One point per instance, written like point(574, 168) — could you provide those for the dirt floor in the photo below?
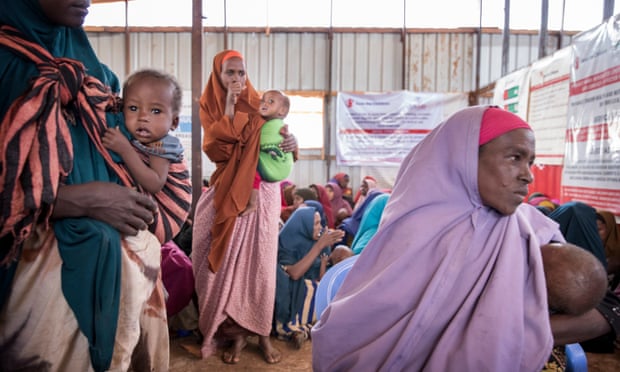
point(301, 360)
point(251, 360)
point(604, 362)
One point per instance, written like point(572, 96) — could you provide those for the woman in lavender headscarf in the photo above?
point(453, 279)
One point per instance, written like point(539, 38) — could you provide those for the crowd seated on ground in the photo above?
point(294, 236)
point(593, 247)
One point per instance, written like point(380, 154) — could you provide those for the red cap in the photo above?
point(496, 121)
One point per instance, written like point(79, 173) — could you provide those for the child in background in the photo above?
point(151, 105)
point(274, 165)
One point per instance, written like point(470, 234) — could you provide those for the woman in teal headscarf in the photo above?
point(370, 223)
point(79, 271)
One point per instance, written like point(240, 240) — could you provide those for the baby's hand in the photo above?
point(324, 259)
point(114, 140)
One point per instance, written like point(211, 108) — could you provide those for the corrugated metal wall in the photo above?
point(441, 61)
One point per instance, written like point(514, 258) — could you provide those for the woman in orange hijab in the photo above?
point(234, 241)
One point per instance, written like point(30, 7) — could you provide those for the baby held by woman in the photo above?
point(576, 280)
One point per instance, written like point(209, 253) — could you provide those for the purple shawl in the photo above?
point(446, 284)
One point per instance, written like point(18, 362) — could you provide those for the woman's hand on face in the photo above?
point(125, 209)
point(234, 91)
point(289, 141)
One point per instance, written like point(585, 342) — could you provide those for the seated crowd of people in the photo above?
point(323, 224)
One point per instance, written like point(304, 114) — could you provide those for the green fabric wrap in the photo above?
point(274, 165)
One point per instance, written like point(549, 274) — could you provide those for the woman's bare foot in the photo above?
point(270, 353)
point(232, 354)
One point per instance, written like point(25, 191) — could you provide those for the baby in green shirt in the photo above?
point(274, 165)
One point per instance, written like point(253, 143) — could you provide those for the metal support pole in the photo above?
point(542, 37)
point(608, 9)
point(127, 41)
point(196, 85)
point(506, 38)
point(328, 95)
point(475, 100)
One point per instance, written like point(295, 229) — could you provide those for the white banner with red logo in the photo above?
point(592, 158)
point(548, 105)
point(380, 129)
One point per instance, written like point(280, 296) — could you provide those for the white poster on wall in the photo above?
point(511, 92)
point(548, 105)
point(592, 159)
point(380, 129)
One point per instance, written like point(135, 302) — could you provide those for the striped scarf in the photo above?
point(36, 152)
